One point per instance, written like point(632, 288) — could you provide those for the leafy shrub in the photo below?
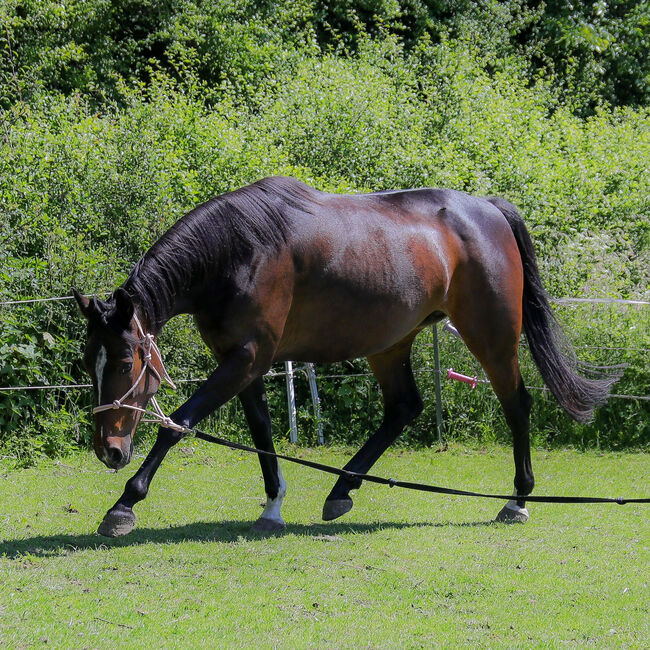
point(86, 190)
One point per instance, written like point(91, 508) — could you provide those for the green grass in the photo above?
point(403, 569)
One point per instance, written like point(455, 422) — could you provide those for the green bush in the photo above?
point(86, 186)
point(595, 52)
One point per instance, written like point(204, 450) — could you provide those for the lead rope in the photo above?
point(157, 415)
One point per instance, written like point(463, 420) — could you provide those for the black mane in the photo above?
point(214, 238)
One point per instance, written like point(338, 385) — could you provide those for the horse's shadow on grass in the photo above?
point(223, 531)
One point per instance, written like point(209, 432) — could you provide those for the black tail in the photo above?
point(552, 353)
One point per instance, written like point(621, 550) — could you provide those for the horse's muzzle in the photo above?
point(116, 455)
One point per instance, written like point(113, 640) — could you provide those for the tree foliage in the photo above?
point(595, 52)
point(119, 117)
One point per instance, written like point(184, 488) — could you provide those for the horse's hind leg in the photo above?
point(493, 339)
point(516, 403)
point(517, 414)
point(402, 404)
point(254, 402)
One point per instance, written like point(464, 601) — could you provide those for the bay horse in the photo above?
point(280, 271)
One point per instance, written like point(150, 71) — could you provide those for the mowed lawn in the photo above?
point(401, 570)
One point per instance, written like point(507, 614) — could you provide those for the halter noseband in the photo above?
point(148, 344)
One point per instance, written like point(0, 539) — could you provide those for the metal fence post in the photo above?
point(313, 389)
point(436, 374)
point(291, 402)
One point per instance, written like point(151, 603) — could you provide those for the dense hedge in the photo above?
point(595, 51)
point(94, 168)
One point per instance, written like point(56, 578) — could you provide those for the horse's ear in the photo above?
point(123, 306)
point(86, 307)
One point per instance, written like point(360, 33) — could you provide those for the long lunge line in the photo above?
point(409, 485)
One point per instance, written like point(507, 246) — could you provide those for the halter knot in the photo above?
point(170, 424)
point(148, 345)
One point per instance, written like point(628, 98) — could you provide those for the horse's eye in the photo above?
point(126, 368)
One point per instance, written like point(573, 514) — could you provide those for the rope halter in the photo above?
point(148, 343)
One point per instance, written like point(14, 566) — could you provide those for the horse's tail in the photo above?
point(552, 353)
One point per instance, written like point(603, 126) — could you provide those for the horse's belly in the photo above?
point(347, 327)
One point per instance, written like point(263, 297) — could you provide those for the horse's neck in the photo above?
point(155, 302)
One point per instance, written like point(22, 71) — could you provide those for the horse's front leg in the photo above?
point(256, 409)
point(234, 373)
point(120, 519)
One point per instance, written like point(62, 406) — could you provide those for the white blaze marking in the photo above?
point(99, 371)
point(272, 509)
point(99, 374)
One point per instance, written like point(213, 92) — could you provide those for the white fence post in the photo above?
point(313, 389)
point(437, 382)
point(291, 402)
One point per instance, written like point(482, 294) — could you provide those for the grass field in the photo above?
point(402, 570)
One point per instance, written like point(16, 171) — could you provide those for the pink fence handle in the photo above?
point(457, 376)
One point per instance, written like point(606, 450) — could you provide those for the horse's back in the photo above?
point(311, 210)
point(351, 275)
point(390, 234)
point(371, 268)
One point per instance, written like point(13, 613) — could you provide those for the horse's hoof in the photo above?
point(117, 523)
point(265, 525)
point(509, 515)
point(333, 509)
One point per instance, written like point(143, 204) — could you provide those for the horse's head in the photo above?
point(124, 373)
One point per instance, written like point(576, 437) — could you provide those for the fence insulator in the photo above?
point(464, 378)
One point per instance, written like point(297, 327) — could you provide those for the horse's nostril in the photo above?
point(115, 455)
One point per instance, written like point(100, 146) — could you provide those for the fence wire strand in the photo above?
point(616, 301)
point(605, 301)
point(282, 374)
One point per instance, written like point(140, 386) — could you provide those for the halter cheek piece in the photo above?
point(148, 344)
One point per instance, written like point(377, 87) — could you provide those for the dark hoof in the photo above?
point(335, 508)
point(510, 516)
point(264, 525)
point(117, 523)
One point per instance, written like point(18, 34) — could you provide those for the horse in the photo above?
point(279, 271)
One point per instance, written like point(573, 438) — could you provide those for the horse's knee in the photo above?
point(260, 427)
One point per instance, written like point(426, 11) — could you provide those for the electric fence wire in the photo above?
point(616, 301)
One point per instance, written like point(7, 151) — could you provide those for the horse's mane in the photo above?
point(215, 238)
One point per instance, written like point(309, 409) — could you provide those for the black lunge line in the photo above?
point(391, 482)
